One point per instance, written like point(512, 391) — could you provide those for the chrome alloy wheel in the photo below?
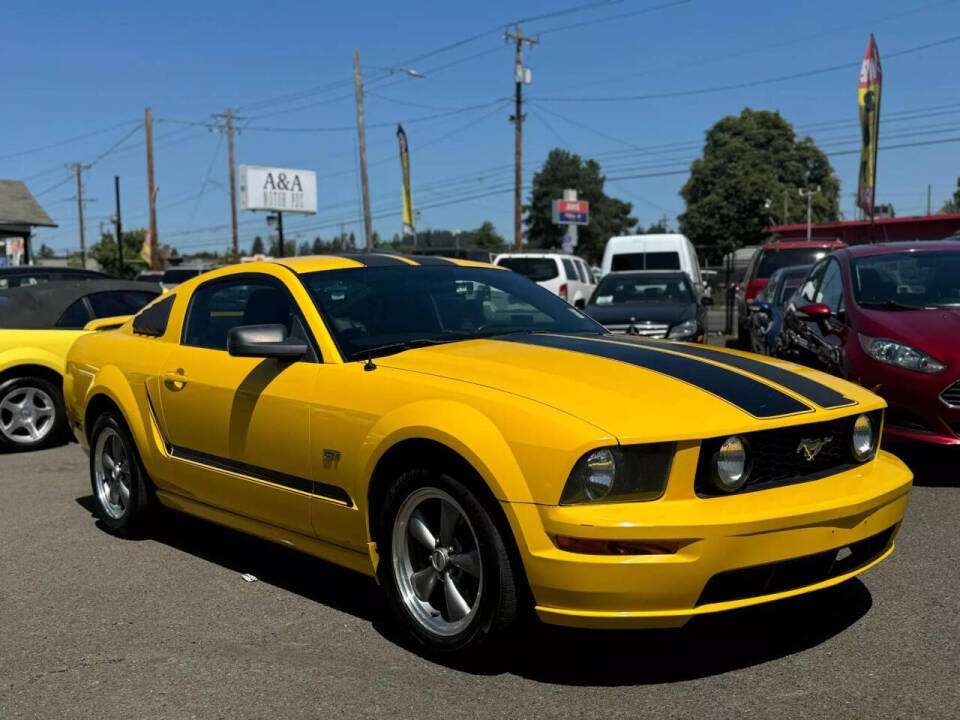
point(112, 478)
point(436, 562)
point(27, 415)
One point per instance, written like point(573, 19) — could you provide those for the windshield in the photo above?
point(646, 261)
point(383, 310)
point(772, 259)
point(908, 280)
point(180, 275)
point(537, 269)
point(614, 289)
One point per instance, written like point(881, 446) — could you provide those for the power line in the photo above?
point(60, 143)
point(610, 18)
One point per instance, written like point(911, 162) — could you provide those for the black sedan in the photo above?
point(650, 304)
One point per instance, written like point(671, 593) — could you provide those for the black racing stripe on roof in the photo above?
point(374, 259)
point(746, 393)
point(813, 391)
point(430, 260)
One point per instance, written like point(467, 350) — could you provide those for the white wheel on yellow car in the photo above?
point(121, 490)
point(31, 413)
point(445, 565)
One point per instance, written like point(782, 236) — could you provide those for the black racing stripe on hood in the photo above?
point(813, 391)
point(430, 260)
point(751, 396)
point(374, 259)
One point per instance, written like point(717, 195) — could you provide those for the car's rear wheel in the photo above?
point(121, 490)
point(445, 565)
point(32, 415)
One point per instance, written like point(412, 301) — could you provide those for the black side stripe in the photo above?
point(430, 260)
point(320, 489)
point(374, 259)
point(822, 395)
point(744, 392)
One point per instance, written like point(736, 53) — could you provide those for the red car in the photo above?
point(888, 317)
point(768, 259)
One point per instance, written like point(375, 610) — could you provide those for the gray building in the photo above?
point(20, 213)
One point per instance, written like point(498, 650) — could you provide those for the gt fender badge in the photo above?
point(331, 458)
point(811, 447)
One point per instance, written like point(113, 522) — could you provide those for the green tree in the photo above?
point(750, 163)
point(304, 248)
point(952, 205)
point(317, 246)
point(487, 237)
point(657, 228)
point(289, 247)
point(46, 251)
point(257, 247)
point(105, 253)
point(608, 216)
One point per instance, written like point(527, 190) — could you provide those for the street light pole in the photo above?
point(808, 194)
point(117, 223)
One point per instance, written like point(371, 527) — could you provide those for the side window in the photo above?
point(589, 273)
point(808, 292)
point(76, 315)
point(118, 302)
point(830, 292)
point(571, 269)
point(153, 320)
point(219, 306)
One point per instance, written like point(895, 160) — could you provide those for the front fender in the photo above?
point(460, 427)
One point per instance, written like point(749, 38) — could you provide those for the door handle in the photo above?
point(175, 380)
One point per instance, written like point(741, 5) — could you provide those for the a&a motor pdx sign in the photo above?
point(278, 189)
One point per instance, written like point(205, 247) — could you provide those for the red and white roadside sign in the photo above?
point(571, 212)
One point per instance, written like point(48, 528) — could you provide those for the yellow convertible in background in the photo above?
point(481, 447)
point(38, 324)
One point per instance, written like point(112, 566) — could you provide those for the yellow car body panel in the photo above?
point(47, 348)
point(288, 453)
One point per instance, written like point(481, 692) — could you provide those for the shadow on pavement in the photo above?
point(708, 645)
point(932, 465)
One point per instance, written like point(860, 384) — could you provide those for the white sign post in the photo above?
point(278, 189)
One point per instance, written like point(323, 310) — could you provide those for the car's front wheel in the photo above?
point(32, 415)
point(121, 490)
point(445, 565)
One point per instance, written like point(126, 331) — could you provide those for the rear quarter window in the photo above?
point(152, 321)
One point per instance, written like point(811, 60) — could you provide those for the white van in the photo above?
point(671, 251)
point(565, 275)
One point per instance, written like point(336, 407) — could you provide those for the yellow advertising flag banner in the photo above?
point(868, 98)
point(145, 249)
point(409, 226)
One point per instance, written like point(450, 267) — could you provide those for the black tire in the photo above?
point(53, 429)
point(498, 605)
point(135, 517)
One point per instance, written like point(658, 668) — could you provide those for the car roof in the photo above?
point(644, 273)
point(40, 306)
point(857, 251)
point(50, 269)
point(799, 244)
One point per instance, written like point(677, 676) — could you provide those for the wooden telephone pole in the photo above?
point(520, 79)
point(227, 127)
point(151, 192)
point(78, 168)
point(362, 137)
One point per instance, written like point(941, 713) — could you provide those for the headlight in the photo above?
point(633, 473)
point(684, 329)
point(864, 442)
point(900, 355)
point(732, 464)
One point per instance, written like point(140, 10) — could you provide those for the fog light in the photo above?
point(864, 439)
point(732, 466)
point(590, 546)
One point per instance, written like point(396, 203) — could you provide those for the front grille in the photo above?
point(651, 330)
point(794, 573)
point(951, 396)
point(777, 458)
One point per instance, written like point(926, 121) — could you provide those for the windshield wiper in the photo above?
point(392, 348)
point(891, 305)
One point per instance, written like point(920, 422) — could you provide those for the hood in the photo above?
point(935, 332)
point(627, 313)
point(641, 390)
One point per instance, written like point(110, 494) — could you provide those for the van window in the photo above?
point(537, 269)
point(646, 261)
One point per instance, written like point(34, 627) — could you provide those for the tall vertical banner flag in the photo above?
point(868, 97)
point(409, 227)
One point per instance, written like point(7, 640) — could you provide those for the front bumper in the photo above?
point(726, 535)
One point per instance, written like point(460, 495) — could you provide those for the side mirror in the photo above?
point(760, 306)
point(264, 341)
point(706, 300)
point(814, 311)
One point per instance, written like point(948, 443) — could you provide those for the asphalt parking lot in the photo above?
point(97, 627)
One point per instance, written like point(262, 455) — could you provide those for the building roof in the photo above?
point(19, 207)
point(842, 224)
point(799, 244)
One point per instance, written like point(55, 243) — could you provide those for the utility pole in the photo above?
point(227, 127)
point(362, 137)
point(520, 78)
point(152, 193)
point(808, 194)
point(117, 223)
point(929, 191)
point(78, 168)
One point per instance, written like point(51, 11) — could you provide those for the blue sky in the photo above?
point(75, 68)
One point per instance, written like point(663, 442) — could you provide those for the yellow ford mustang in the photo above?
point(479, 445)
